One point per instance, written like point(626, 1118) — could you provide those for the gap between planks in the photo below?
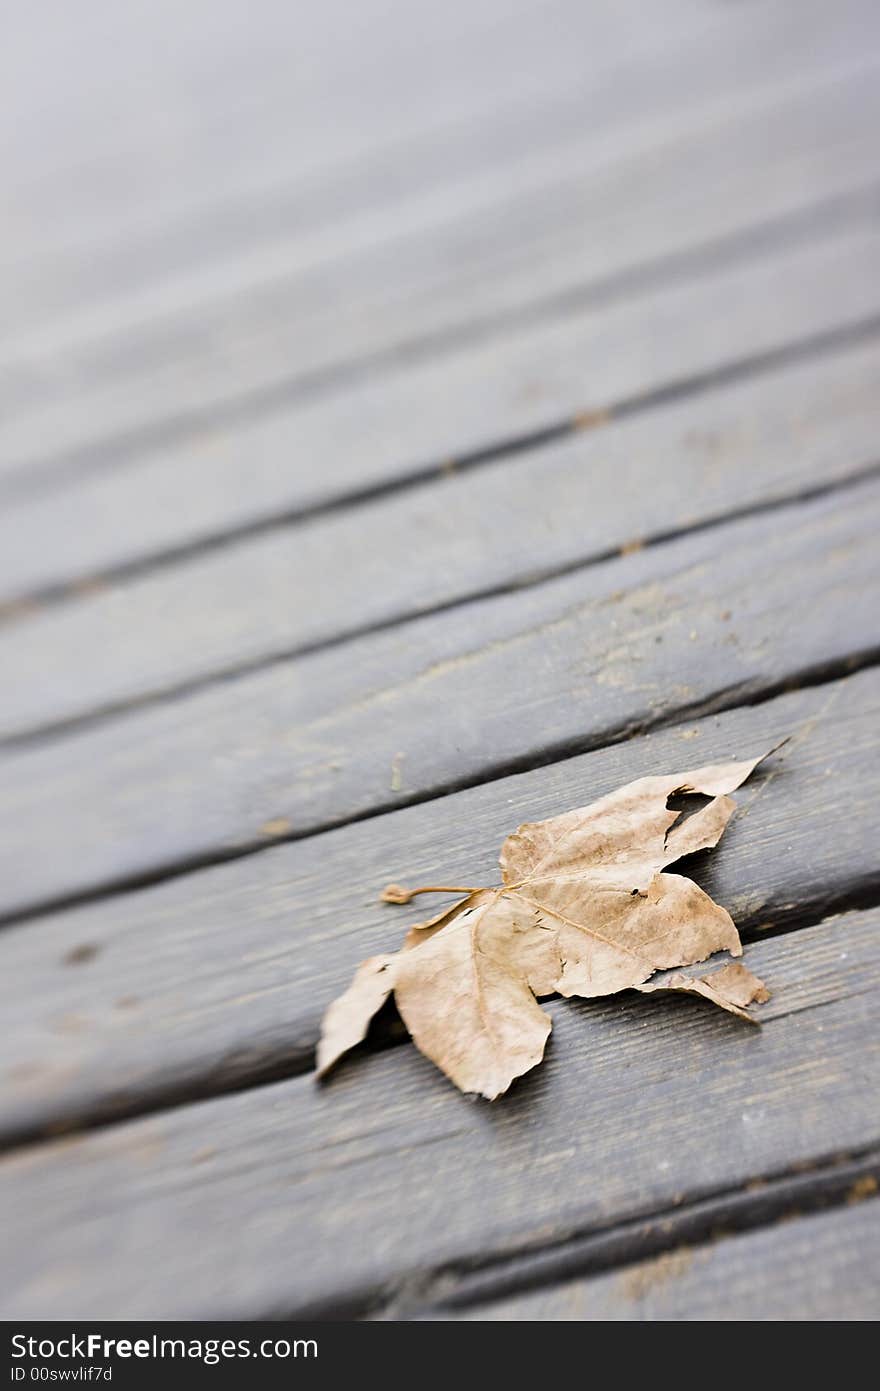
point(819, 1266)
point(792, 230)
point(826, 1184)
point(22, 606)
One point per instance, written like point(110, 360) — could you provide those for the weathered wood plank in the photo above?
point(500, 385)
point(140, 210)
point(220, 978)
point(455, 698)
point(378, 432)
point(204, 162)
point(682, 465)
point(815, 1268)
point(344, 1194)
point(202, 346)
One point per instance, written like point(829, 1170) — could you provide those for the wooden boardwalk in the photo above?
point(416, 420)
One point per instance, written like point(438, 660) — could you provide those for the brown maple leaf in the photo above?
point(584, 908)
point(733, 987)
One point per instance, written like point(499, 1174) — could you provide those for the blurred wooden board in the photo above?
point(169, 156)
point(756, 97)
point(825, 1267)
point(412, 425)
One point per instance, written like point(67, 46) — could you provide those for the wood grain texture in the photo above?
point(824, 1267)
point(215, 341)
point(376, 433)
point(599, 348)
point(219, 978)
point(715, 618)
point(749, 443)
point(588, 215)
point(386, 1176)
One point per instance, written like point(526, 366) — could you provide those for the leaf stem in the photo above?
point(395, 893)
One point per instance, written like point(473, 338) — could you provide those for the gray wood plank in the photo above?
point(93, 414)
point(468, 76)
point(804, 426)
point(219, 978)
point(714, 619)
point(696, 328)
point(184, 497)
point(179, 375)
point(549, 214)
point(786, 429)
point(294, 1197)
point(824, 1267)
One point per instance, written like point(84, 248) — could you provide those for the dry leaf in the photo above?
point(584, 908)
point(347, 1020)
point(733, 987)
